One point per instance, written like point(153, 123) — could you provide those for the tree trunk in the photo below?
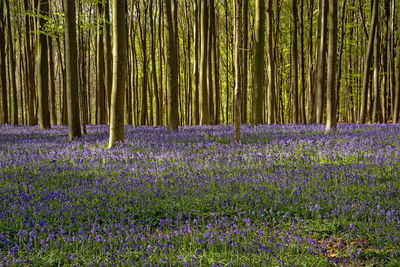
point(331, 78)
point(196, 67)
point(143, 37)
point(245, 58)
point(43, 67)
point(11, 61)
point(71, 66)
point(271, 64)
point(257, 105)
point(30, 67)
point(100, 86)
point(367, 63)
point(53, 111)
point(108, 55)
point(120, 44)
point(153, 63)
point(321, 64)
point(295, 71)
point(204, 118)
point(3, 70)
point(238, 70)
point(376, 113)
point(210, 91)
point(172, 62)
point(396, 109)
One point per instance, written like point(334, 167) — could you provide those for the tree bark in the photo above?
point(238, 69)
point(108, 55)
point(3, 70)
point(259, 81)
point(204, 116)
point(367, 63)
point(120, 44)
point(71, 66)
point(321, 64)
point(171, 52)
point(245, 59)
point(43, 66)
point(332, 59)
point(11, 60)
point(100, 85)
point(295, 71)
point(271, 64)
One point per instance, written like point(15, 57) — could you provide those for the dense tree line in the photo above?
point(198, 62)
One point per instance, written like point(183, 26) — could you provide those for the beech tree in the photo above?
point(120, 44)
point(71, 65)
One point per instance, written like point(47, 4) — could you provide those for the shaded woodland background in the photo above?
point(282, 61)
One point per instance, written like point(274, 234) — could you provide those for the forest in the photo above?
point(199, 132)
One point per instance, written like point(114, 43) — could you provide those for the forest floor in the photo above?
point(287, 195)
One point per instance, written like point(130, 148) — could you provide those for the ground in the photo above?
point(286, 195)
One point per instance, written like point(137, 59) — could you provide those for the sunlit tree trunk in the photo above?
point(107, 55)
point(120, 44)
point(238, 70)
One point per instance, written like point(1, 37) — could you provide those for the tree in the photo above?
point(321, 63)
point(11, 61)
point(100, 85)
point(172, 62)
point(271, 64)
point(3, 70)
point(238, 70)
point(203, 62)
point(295, 71)
point(43, 74)
point(120, 44)
point(367, 64)
point(332, 58)
point(257, 107)
point(71, 66)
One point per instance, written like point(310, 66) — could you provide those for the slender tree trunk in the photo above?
point(108, 55)
point(204, 118)
point(339, 71)
point(210, 89)
point(43, 67)
point(53, 111)
point(30, 67)
point(11, 60)
point(311, 115)
point(160, 49)
point(259, 81)
point(332, 59)
point(367, 63)
point(396, 109)
point(100, 85)
point(143, 38)
point(376, 113)
point(153, 63)
point(238, 69)
point(321, 63)
point(302, 90)
point(245, 59)
point(3, 70)
point(172, 61)
point(295, 71)
point(196, 67)
point(71, 66)
point(216, 73)
point(271, 64)
point(120, 44)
